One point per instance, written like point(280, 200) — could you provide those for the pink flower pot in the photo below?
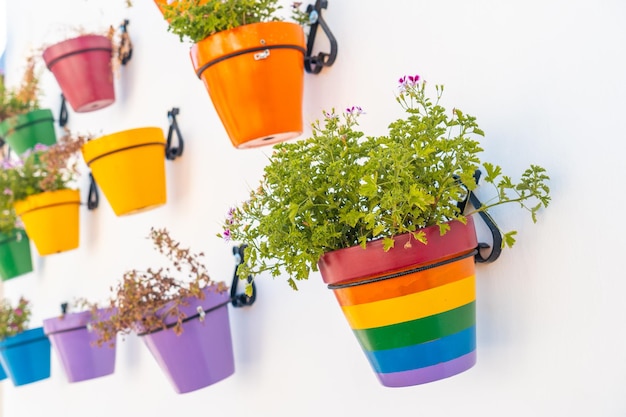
point(82, 67)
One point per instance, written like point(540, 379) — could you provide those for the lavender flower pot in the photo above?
point(25, 357)
point(203, 354)
point(73, 342)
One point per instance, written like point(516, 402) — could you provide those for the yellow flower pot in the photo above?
point(129, 167)
point(51, 220)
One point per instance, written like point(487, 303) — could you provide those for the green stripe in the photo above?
point(418, 331)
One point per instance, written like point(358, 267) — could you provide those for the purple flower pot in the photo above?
point(203, 354)
point(72, 340)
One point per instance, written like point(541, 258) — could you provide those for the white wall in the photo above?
point(546, 81)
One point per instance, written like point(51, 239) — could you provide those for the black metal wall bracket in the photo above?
point(172, 152)
point(125, 48)
point(64, 116)
point(314, 64)
point(496, 234)
point(93, 198)
point(241, 300)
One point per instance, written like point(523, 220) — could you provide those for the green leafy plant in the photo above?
point(340, 188)
point(195, 20)
point(14, 320)
point(144, 301)
point(8, 218)
point(25, 97)
point(41, 169)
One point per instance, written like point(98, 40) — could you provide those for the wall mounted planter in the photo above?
point(72, 341)
point(82, 67)
point(412, 310)
point(25, 357)
point(24, 131)
point(51, 220)
point(255, 77)
point(15, 256)
point(129, 167)
point(203, 354)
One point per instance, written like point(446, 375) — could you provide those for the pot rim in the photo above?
point(119, 141)
point(354, 263)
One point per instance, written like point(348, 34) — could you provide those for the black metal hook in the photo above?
point(63, 113)
point(93, 198)
point(240, 300)
point(314, 64)
point(171, 153)
point(496, 234)
point(125, 49)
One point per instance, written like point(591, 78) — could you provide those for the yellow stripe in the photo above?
point(411, 307)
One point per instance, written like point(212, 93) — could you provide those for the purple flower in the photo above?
point(18, 312)
point(7, 191)
point(355, 110)
point(9, 164)
point(226, 235)
point(408, 81)
point(330, 116)
point(41, 147)
point(413, 79)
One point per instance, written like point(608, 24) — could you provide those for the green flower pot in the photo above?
point(24, 131)
point(15, 257)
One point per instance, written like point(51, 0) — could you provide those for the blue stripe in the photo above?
point(424, 354)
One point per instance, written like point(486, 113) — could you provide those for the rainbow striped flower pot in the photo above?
point(411, 308)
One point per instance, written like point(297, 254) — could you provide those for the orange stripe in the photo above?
point(407, 284)
point(411, 307)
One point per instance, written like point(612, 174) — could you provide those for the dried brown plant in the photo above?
point(145, 301)
point(24, 98)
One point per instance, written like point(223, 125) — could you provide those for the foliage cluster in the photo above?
point(14, 320)
point(146, 301)
point(195, 20)
point(44, 168)
point(340, 188)
point(25, 97)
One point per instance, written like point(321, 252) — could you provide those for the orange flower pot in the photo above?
point(51, 220)
point(255, 77)
point(129, 167)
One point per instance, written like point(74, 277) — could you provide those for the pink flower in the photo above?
point(408, 81)
point(330, 116)
point(7, 191)
point(41, 147)
point(226, 235)
point(230, 215)
point(355, 110)
point(18, 312)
